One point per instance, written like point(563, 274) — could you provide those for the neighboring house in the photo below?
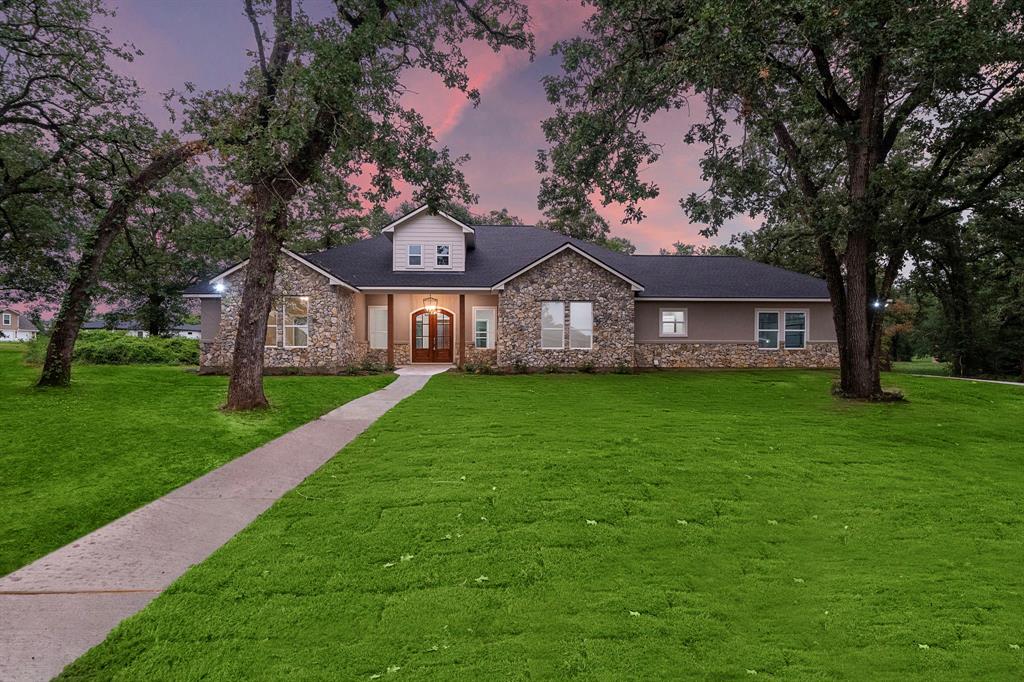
point(432, 289)
point(15, 326)
point(188, 331)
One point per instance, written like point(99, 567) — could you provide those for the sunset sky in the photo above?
point(206, 42)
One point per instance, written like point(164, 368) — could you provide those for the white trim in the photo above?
point(391, 227)
point(661, 322)
point(8, 320)
point(409, 255)
point(491, 329)
point(369, 328)
point(780, 343)
point(424, 288)
point(641, 299)
point(284, 320)
point(540, 340)
point(591, 337)
point(331, 279)
point(501, 285)
point(438, 255)
point(202, 296)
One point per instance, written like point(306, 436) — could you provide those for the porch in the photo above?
point(424, 326)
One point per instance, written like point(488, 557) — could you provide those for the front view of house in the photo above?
point(431, 289)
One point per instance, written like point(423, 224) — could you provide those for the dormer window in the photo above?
point(443, 256)
point(415, 255)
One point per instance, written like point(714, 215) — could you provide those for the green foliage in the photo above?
point(564, 527)
point(75, 460)
point(118, 348)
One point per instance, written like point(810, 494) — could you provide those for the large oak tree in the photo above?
point(863, 122)
point(323, 103)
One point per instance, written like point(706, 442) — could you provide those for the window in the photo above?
point(793, 333)
point(796, 329)
point(483, 327)
point(272, 323)
point(415, 255)
point(443, 255)
point(378, 326)
point(673, 322)
point(296, 321)
point(581, 325)
point(552, 324)
point(768, 329)
point(7, 319)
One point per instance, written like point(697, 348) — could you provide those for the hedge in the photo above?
point(115, 348)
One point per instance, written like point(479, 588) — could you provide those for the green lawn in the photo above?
point(658, 526)
point(73, 460)
point(922, 366)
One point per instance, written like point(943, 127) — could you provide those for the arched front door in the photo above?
point(432, 336)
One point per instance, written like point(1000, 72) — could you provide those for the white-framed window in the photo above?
point(414, 255)
point(296, 321)
point(552, 324)
point(443, 256)
point(377, 325)
point(796, 329)
point(781, 328)
point(581, 325)
point(672, 322)
point(483, 327)
point(7, 319)
point(272, 323)
point(768, 329)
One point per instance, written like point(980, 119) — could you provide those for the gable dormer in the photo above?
point(422, 241)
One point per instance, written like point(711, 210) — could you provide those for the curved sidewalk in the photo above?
point(58, 607)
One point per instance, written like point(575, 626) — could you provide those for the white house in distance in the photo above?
point(186, 331)
point(15, 326)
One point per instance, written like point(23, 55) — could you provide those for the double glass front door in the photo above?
point(432, 336)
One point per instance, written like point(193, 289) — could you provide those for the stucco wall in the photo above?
point(566, 277)
point(714, 321)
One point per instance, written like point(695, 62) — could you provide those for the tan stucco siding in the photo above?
point(721, 321)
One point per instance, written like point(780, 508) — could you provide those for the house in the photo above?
point(431, 289)
point(15, 326)
point(188, 331)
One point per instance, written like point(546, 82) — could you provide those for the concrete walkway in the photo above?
point(976, 381)
point(55, 609)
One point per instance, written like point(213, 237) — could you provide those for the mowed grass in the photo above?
point(72, 460)
point(922, 366)
point(658, 526)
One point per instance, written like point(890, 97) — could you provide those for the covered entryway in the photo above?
point(432, 333)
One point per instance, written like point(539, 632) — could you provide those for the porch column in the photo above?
point(391, 330)
point(462, 330)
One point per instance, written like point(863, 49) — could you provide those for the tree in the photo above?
point(863, 122)
point(323, 100)
point(187, 227)
point(65, 117)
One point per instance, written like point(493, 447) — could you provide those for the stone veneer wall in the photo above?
point(331, 323)
point(823, 355)
point(567, 276)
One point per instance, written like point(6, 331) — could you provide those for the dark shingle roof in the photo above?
point(503, 250)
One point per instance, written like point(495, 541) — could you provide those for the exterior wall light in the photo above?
point(430, 303)
point(219, 287)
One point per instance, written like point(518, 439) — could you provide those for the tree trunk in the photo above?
point(245, 387)
point(78, 297)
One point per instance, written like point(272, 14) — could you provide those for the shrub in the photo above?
point(552, 369)
point(623, 368)
point(113, 348)
point(520, 367)
point(587, 367)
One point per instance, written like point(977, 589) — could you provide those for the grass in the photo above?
point(74, 460)
point(922, 366)
point(656, 526)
